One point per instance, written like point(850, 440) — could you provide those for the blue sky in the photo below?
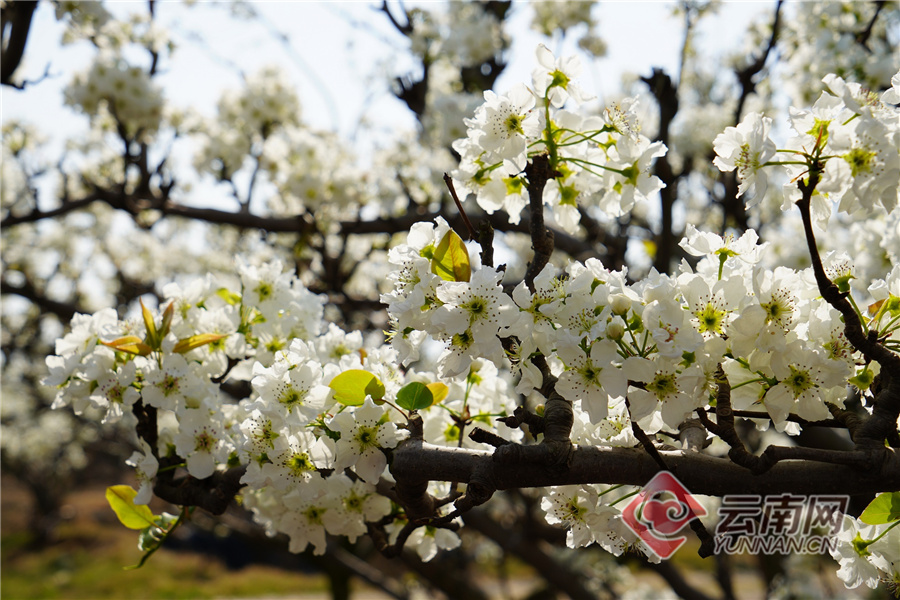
point(340, 55)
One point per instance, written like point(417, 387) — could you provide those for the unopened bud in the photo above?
point(616, 328)
point(619, 304)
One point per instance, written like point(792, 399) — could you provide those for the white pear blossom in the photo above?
point(364, 431)
point(145, 467)
point(426, 541)
point(555, 77)
point(593, 378)
point(578, 508)
point(200, 440)
point(503, 125)
point(747, 148)
point(856, 565)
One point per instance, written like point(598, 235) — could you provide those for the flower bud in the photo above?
point(616, 328)
point(619, 303)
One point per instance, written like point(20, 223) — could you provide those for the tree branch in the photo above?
point(883, 421)
point(63, 310)
point(18, 15)
point(700, 473)
point(539, 173)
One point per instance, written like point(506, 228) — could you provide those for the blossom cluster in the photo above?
point(656, 342)
point(114, 87)
point(850, 134)
point(834, 29)
point(312, 459)
point(465, 34)
point(602, 161)
point(315, 433)
point(566, 15)
point(246, 118)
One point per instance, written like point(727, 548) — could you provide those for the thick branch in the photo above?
point(212, 494)
point(555, 451)
point(700, 473)
point(18, 14)
point(745, 76)
point(666, 95)
point(37, 215)
point(539, 173)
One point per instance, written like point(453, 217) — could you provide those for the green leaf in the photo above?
point(414, 396)
point(439, 391)
point(351, 387)
point(195, 341)
point(451, 259)
point(885, 508)
point(132, 516)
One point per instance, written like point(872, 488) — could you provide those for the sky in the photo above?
point(341, 55)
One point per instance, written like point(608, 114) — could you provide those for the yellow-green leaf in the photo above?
point(152, 335)
point(131, 344)
point(195, 341)
point(439, 391)
point(876, 306)
point(228, 296)
point(351, 387)
point(451, 259)
point(132, 516)
point(885, 508)
point(166, 321)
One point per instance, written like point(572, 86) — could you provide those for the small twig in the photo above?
point(724, 427)
point(522, 416)
point(483, 436)
point(883, 419)
point(745, 75)
point(393, 550)
point(449, 181)
point(761, 414)
point(648, 445)
point(404, 29)
point(862, 38)
point(859, 459)
point(707, 544)
point(486, 241)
